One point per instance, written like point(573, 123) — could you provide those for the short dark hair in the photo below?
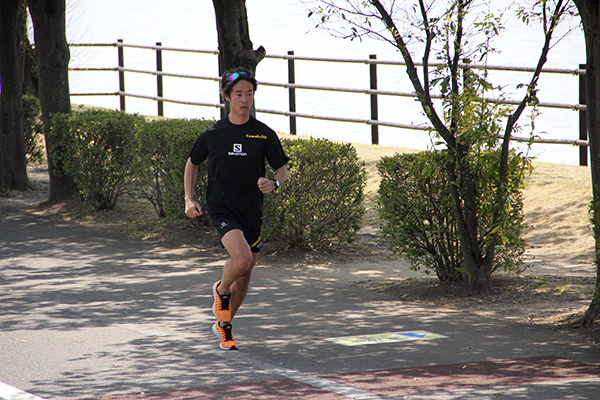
point(233, 76)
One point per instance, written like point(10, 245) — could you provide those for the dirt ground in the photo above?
point(553, 292)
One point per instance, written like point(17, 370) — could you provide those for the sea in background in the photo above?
point(282, 25)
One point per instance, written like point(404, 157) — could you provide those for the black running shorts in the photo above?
point(223, 224)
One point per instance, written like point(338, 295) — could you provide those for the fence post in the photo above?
point(374, 108)
point(583, 134)
point(292, 92)
point(159, 79)
point(121, 74)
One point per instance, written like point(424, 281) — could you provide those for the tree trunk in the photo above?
point(590, 17)
point(53, 62)
point(476, 269)
point(13, 161)
point(235, 46)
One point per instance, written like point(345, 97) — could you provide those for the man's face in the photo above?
point(241, 97)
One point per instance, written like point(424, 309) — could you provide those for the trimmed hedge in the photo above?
point(96, 148)
point(33, 135)
point(32, 130)
point(323, 199)
point(111, 153)
point(162, 149)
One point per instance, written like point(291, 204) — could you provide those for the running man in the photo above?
point(236, 148)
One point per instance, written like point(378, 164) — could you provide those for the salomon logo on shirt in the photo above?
point(237, 150)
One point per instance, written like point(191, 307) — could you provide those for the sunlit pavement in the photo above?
point(86, 314)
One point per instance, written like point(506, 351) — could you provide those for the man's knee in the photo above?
point(243, 262)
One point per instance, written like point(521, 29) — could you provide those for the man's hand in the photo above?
point(266, 185)
point(192, 209)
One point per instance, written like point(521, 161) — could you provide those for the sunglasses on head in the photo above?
point(236, 75)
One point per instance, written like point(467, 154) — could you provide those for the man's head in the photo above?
point(232, 76)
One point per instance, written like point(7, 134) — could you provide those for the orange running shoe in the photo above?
point(221, 308)
point(225, 335)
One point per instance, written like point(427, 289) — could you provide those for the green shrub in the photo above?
point(418, 219)
point(32, 130)
point(33, 135)
point(322, 200)
point(96, 149)
point(509, 252)
point(416, 212)
point(162, 149)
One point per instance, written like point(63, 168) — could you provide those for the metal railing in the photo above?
point(291, 86)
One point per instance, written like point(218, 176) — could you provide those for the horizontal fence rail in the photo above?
point(291, 86)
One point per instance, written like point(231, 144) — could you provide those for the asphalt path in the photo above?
point(89, 314)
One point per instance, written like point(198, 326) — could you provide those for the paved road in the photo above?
point(87, 314)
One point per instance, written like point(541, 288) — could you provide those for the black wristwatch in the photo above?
point(276, 182)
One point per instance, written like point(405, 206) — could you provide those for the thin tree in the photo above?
point(589, 10)
point(461, 89)
point(52, 51)
point(28, 60)
point(13, 161)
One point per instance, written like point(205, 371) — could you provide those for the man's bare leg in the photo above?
point(238, 268)
point(239, 289)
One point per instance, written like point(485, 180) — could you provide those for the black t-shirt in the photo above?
point(236, 159)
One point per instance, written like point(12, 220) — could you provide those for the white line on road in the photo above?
point(8, 392)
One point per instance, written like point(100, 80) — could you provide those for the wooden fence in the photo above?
point(291, 86)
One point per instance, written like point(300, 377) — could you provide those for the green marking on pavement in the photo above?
point(380, 338)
